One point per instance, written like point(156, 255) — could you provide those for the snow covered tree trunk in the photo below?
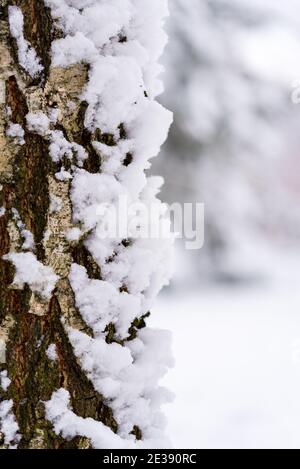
point(78, 125)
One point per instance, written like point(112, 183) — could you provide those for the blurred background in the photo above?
point(232, 79)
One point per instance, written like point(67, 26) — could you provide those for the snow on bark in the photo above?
point(67, 423)
point(27, 236)
point(59, 147)
point(51, 352)
point(4, 380)
point(121, 42)
point(27, 55)
point(16, 132)
point(76, 137)
point(40, 278)
point(8, 425)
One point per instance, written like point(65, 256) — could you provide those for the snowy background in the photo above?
point(232, 74)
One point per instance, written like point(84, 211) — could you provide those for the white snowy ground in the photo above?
point(237, 374)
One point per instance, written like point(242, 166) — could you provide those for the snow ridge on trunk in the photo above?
point(120, 94)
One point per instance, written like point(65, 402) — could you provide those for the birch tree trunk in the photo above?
point(38, 305)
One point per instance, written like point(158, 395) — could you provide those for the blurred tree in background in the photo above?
point(234, 144)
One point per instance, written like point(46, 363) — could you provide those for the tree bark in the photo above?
point(29, 323)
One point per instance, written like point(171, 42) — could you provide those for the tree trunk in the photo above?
point(35, 321)
point(37, 357)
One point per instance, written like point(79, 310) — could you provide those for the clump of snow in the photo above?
point(69, 425)
point(97, 22)
point(73, 234)
point(28, 240)
point(8, 424)
point(40, 278)
point(28, 243)
point(128, 377)
point(60, 147)
point(2, 211)
point(90, 192)
point(16, 132)
point(80, 153)
point(28, 58)
point(101, 303)
point(112, 157)
point(64, 52)
point(63, 175)
point(119, 100)
point(4, 380)
point(51, 352)
point(38, 123)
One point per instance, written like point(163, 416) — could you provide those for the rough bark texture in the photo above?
point(29, 324)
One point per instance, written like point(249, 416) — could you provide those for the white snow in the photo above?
point(2, 211)
point(28, 238)
point(101, 303)
point(237, 351)
point(128, 376)
point(28, 58)
point(16, 132)
point(4, 380)
point(59, 147)
point(89, 193)
point(69, 425)
point(89, 26)
point(64, 52)
point(51, 352)
point(40, 278)
point(8, 424)
point(121, 41)
point(119, 100)
point(73, 234)
point(120, 76)
point(38, 122)
point(63, 175)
